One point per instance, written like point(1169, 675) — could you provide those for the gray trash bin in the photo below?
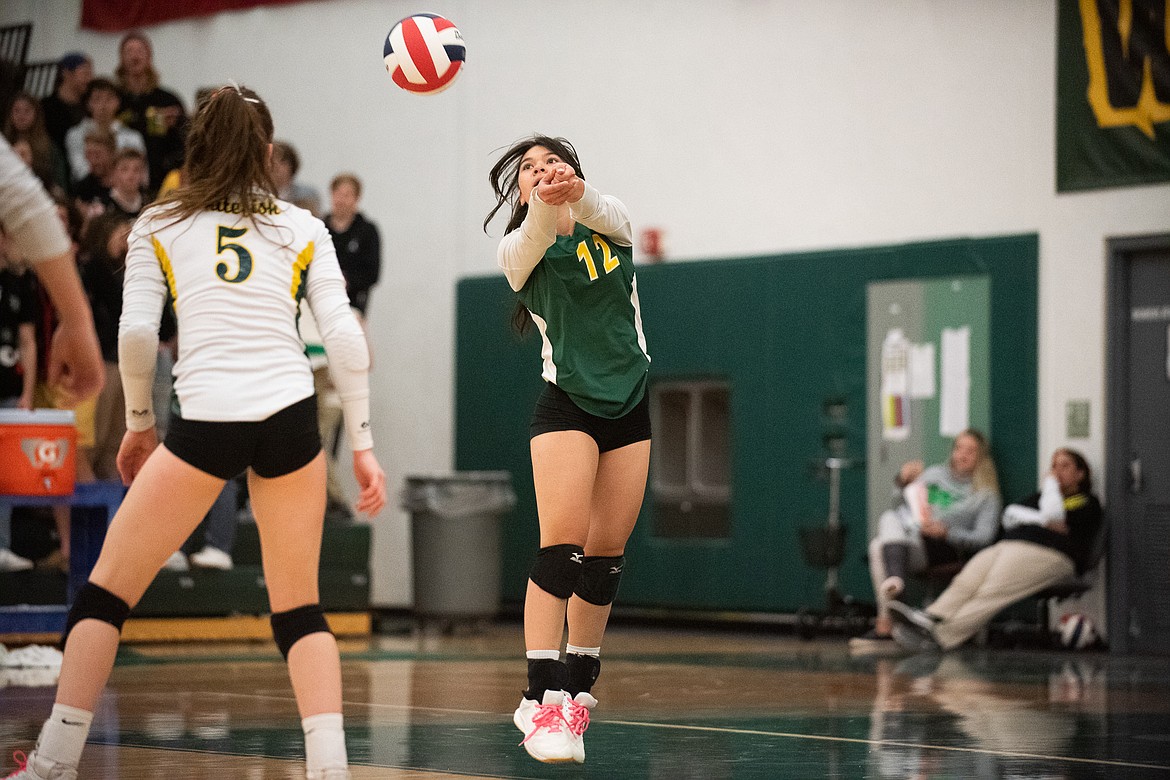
point(455, 523)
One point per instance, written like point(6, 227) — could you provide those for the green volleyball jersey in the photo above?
point(583, 298)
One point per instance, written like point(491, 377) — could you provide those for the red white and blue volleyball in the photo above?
point(424, 53)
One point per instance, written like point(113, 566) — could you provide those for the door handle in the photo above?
point(1135, 475)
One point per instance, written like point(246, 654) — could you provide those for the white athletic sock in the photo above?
point(63, 737)
point(593, 651)
point(324, 743)
point(548, 655)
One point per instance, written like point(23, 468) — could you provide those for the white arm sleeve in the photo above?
point(1051, 501)
point(27, 215)
point(604, 214)
point(143, 294)
point(345, 341)
point(1017, 514)
point(523, 248)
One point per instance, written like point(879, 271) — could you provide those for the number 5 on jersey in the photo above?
point(609, 262)
point(243, 256)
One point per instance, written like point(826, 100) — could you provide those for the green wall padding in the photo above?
point(786, 332)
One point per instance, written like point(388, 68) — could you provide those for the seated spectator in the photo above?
point(1048, 538)
point(101, 104)
point(18, 373)
point(125, 196)
point(26, 122)
point(945, 514)
point(285, 164)
point(154, 112)
point(93, 189)
point(66, 106)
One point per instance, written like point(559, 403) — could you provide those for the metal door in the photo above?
point(1139, 445)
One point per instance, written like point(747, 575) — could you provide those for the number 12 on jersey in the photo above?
point(609, 262)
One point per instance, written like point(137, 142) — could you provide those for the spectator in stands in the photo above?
point(285, 164)
point(101, 102)
point(18, 373)
point(1049, 537)
point(125, 196)
point(103, 272)
point(210, 546)
point(945, 514)
point(94, 188)
point(65, 108)
point(154, 112)
point(356, 239)
point(26, 122)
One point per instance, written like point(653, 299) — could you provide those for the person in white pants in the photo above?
point(1049, 537)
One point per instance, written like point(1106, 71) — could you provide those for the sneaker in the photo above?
point(177, 562)
point(28, 768)
point(909, 616)
point(576, 714)
point(546, 732)
point(873, 643)
point(913, 638)
point(33, 657)
point(892, 587)
point(211, 558)
point(10, 561)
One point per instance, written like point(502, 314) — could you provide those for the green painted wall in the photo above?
point(786, 332)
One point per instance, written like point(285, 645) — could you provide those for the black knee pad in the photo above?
point(599, 579)
point(558, 568)
point(94, 602)
point(290, 627)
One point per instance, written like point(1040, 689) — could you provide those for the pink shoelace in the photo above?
point(547, 716)
point(21, 764)
point(578, 718)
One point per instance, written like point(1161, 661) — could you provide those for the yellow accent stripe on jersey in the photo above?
point(300, 267)
point(165, 263)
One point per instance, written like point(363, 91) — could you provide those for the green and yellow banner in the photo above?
point(1113, 94)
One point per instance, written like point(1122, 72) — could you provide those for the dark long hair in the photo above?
point(227, 156)
point(505, 182)
point(1086, 484)
point(505, 175)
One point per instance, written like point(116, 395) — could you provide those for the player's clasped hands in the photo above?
point(561, 185)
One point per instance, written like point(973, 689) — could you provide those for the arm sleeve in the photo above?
point(344, 340)
point(523, 248)
point(1051, 501)
point(26, 212)
point(604, 214)
point(983, 509)
point(143, 294)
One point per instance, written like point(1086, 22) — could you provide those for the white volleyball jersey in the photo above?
point(235, 286)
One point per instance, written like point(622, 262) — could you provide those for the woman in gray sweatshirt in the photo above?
point(945, 513)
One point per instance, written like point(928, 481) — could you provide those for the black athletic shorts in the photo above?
point(280, 445)
point(555, 411)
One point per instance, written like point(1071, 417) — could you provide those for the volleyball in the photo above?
point(424, 53)
point(1077, 631)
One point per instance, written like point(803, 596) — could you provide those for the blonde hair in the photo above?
point(984, 476)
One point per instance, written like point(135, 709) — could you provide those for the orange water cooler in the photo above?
point(38, 451)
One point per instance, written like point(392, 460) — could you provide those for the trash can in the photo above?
point(455, 523)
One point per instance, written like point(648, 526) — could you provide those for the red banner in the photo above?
point(118, 15)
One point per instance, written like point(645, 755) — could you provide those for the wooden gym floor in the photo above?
point(675, 703)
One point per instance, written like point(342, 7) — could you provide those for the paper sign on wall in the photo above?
point(922, 371)
point(895, 386)
point(955, 391)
